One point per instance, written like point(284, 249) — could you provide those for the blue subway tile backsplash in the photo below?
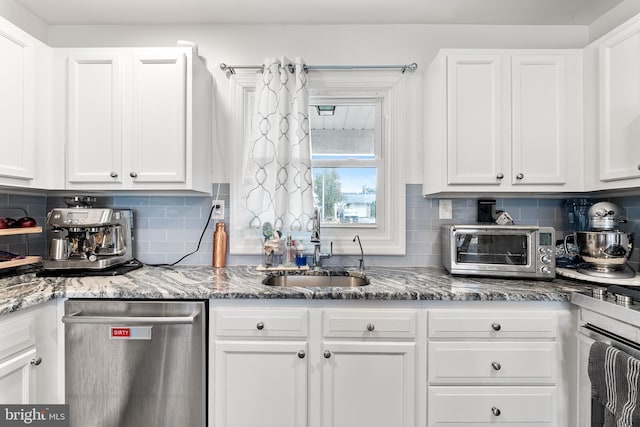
point(168, 227)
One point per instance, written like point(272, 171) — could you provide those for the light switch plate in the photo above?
point(445, 209)
point(218, 210)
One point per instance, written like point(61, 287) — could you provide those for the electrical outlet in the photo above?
point(445, 209)
point(218, 209)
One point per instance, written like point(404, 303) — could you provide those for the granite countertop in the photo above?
point(244, 282)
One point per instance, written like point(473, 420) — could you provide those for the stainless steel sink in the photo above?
point(325, 280)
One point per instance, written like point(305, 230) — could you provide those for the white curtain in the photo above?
point(277, 180)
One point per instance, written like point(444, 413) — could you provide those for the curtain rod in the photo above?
point(231, 69)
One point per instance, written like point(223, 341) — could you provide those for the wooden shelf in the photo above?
point(18, 262)
point(21, 230)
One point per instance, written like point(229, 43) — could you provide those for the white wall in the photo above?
point(320, 45)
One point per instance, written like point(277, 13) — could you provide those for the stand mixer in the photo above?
point(90, 238)
point(603, 247)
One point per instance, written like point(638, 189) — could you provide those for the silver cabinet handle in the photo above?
point(137, 320)
point(133, 174)
point(496, 366)
point(496, 326)
point(520, 176)
point(260, 326)
point(639, 167)
point(495, 411)
point(370, 327)
point(301, 354)
point(113, 175)
point(500, 176)
point(37, 361)
point(327, 354)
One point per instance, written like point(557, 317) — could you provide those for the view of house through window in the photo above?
point(345, 155)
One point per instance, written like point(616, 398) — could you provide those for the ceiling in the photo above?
point(521, 12)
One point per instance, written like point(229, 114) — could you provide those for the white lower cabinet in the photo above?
point(368, 384)
point(399, 364)
point(313, 367)
point(495, 367)
point(368, 371)
point(29, 371)
point(261, 383)
point(488, 406)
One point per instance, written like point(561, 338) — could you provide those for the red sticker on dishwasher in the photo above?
point(130, 332)
point(120, 332)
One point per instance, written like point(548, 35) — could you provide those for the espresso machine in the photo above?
point(89, 238)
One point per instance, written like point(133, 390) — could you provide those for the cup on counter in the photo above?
point(59, 249)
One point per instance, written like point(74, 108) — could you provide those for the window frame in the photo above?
point(388, 237)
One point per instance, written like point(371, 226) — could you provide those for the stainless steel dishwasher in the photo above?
point(136, 363)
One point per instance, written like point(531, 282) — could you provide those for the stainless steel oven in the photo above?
point(610, 315)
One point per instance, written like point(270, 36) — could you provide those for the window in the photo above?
point(358, 169)
point(346, 148)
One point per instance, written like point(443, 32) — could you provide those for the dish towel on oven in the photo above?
point(614, 383)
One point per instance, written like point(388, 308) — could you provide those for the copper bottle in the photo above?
point(219, 245)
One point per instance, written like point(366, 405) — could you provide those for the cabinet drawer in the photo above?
point(16, 335)
point(262, 323)
point(485, 363)
point(488, 406)
point(491, 324)
point(369, 324)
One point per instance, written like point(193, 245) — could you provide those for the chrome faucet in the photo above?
point(315, 240)
point(361, 267)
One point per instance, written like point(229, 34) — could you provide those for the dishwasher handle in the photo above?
point(78, 318)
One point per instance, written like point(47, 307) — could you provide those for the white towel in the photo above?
point(615, 383)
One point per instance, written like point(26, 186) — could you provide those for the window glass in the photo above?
point(345, 159)
point(345, 195)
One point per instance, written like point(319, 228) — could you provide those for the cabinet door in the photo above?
point(260, 384)
point(17, 106)
point(619, 59)
point(474, 126)
point(368, 384)
point(16, 381)
point(159, 147)
point(95, 137)
point(538, 122)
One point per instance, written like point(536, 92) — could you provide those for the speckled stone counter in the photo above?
point(244, 282)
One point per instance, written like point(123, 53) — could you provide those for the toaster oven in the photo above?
point(517, 251)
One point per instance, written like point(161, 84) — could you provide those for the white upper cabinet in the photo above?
point(503, 121)
point(618, 145)
point(23, 76)
point(94, 118)
point(474, 125)
point(137, 119)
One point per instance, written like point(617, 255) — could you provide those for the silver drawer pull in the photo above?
point(496, 326)
point(133, 174)
point(260, 326)
point(37, 361)
point(495, 411)
point(500, 176)
point(370, 327)
point(301, 354)
point(113, 175)
point(496, 366)
point(520, 176)
point(327, 354)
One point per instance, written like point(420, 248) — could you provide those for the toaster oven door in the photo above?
point(482, 247)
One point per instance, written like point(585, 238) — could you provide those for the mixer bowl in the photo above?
point(604, 248)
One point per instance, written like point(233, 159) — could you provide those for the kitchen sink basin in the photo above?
point(323, 279)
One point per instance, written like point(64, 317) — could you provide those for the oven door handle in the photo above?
point(622, 343)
